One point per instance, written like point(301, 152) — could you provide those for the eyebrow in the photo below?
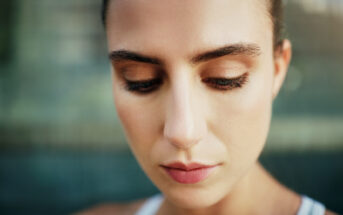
point(122, 55)
point(246, 49)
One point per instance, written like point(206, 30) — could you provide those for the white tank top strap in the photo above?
point(151, 205)
point(310, 207)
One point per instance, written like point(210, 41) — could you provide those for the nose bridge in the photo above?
point(183, 126)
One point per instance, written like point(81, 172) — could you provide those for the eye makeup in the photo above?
point(223, 84)
point(142, 79)
point(139, 78)
point(227, 83)
point(143, 87)
point(225, 74)
point(138, 72)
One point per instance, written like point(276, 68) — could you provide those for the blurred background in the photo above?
point(62, 148)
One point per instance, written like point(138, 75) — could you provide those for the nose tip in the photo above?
point(183, 125)
point(182, 136)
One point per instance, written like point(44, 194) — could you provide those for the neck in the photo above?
point(256, 193)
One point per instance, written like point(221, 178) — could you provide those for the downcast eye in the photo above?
point(225, 83)
point(143, 87)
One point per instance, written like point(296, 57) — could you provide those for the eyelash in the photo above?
point(143, 86)
point(148, 86)
point(227, 84)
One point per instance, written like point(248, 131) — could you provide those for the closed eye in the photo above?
point(147, 86)
point(143, 87)
point(225, 83)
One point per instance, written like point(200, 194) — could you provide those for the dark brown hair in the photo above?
point(275, 11)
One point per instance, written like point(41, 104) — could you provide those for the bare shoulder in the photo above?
point(113, 208)
point(327, 212)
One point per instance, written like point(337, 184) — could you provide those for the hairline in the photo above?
point(271, 7)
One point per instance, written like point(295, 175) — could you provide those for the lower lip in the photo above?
point(190, 176)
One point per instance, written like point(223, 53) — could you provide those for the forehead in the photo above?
point(184, 27)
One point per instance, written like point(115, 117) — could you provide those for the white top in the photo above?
point(151, 205)
point(308, 206)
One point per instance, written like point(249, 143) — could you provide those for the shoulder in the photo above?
point(113, 208)
point(327, 212)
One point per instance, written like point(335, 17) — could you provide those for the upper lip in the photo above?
point(187, 167)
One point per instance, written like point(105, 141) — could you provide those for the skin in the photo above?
point(188, 120)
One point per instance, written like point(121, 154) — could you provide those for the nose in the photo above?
point(184, 123)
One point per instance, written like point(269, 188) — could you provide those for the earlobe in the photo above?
point(282, 59)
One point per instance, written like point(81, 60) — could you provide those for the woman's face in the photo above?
point(193, 81)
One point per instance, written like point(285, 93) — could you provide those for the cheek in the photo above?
point(139, 120)
point(247, 114)
point(136, 122)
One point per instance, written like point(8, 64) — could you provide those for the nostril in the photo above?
point(182, 137)
point(182, 143)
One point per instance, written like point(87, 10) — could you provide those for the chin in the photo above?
point(194, 197)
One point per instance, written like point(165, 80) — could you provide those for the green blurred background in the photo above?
point(61, 145)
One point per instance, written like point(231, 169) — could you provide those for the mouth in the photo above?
point(188, 173)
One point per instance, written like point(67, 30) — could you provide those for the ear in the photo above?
point(282, 58)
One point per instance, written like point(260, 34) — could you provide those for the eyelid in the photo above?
point(227, 83)
point(228, 68)
point(139, 73)
point(244, 75)
point(223, 74)
point(144, 86)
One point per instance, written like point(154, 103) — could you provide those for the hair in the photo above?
point(275, 12)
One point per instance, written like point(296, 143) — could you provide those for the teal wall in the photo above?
point(55, 86)
point(61, 144)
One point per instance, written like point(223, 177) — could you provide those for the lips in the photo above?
point(188, 173)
